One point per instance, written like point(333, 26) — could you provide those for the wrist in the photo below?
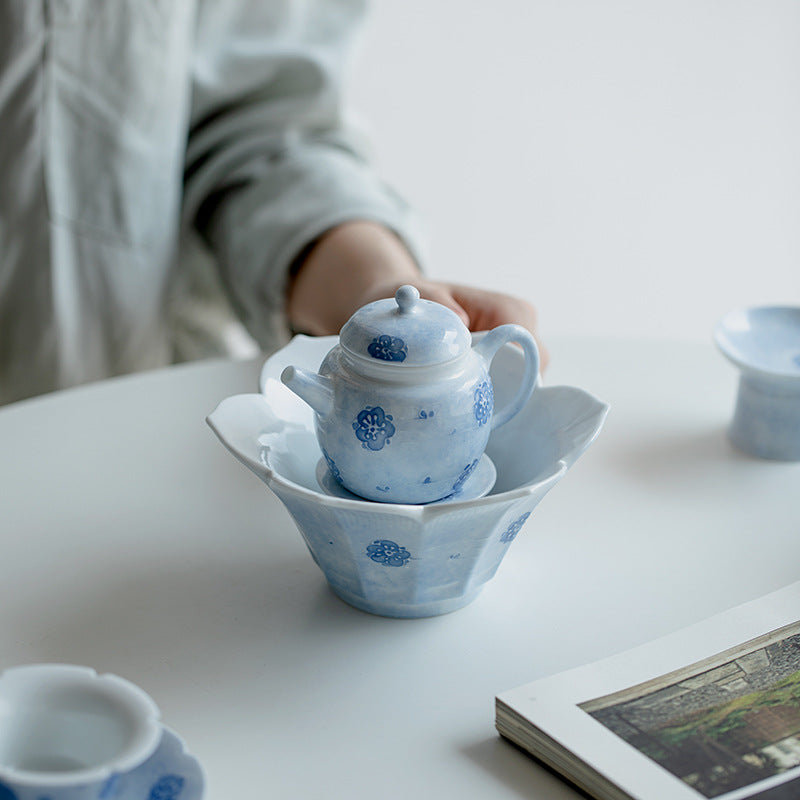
point(349, 265)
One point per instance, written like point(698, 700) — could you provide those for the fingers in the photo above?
point(479, 309)
point(442, 293)
point(488, 309)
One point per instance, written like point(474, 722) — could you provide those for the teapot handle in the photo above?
point(490, 344)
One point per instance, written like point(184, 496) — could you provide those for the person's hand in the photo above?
point(358, 262)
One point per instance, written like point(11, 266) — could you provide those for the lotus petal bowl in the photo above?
point(407, 560)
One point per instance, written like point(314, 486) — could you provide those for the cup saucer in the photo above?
point(171, 772)
point(476, 482)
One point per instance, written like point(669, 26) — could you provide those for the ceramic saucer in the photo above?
point(171, 773)
point(478, 483)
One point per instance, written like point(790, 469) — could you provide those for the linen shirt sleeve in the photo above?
point(271, 164)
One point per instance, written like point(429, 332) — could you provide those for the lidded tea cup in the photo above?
point(67, 733)
point(404, 403)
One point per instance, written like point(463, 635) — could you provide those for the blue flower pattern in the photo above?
point(374, 428)
point(514, 528)
point(388, 348)
point(109, 789)
point(167, 788)
point(484, 402)
point(388, 553)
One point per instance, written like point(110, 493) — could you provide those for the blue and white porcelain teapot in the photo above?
point(404, 403)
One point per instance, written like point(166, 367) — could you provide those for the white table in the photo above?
point(135, 544)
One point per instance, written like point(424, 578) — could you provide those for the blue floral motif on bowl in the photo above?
point(110, 789)
point(167, 788)
point(388, 553)
point(514, 528)
point(484, 402)
point(388, 348)
point(374, 428)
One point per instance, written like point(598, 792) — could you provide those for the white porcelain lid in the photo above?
point(405, 331)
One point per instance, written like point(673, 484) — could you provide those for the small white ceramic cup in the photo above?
point(67, 733)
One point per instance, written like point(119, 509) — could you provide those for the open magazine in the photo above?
point(712, 711)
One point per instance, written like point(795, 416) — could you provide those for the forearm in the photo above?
point(350, 265)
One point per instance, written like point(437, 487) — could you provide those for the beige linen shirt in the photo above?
point(129, 128)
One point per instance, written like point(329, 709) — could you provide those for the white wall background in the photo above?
point(630, 166)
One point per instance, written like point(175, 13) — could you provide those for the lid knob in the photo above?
point(407, 298)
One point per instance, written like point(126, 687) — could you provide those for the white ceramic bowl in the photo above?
point(407, 560)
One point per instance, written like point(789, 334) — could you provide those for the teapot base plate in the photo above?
point(479, 483)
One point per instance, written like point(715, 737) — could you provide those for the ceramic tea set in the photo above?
point(409, 452)
point(413, 460)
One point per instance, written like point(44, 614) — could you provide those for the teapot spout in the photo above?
point(311, 388)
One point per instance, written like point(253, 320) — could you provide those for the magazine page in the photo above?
point(712, 711)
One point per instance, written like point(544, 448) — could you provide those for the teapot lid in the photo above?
point(406, 331)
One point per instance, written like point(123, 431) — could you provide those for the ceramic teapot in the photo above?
point(404, 403)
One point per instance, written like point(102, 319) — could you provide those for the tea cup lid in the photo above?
point(405, 331)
